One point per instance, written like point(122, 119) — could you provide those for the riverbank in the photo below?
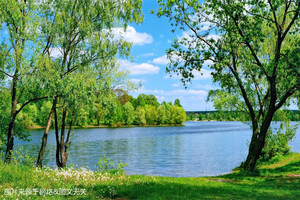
point(108, 126)
point(278, 179)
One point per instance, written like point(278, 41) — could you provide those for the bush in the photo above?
point(106, 165)
point(278, 144)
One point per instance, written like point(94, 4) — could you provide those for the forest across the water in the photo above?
point(280, 115)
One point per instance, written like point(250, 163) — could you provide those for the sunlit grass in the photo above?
point(278, 179)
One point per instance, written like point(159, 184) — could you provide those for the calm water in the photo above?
point(196, 149)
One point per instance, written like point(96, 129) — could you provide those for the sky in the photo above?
point(150, 41)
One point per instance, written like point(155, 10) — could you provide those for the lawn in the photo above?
point(277, 179)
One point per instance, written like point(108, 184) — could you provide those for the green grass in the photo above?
point(277, 179)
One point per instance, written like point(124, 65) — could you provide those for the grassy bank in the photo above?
point(278, 179)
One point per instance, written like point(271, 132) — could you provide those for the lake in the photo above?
point(196, 149)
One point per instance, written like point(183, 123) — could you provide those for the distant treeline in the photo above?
point(116, 109)
point(292, 115)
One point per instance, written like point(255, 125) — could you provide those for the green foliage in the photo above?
point(128, 113)
point(140, 116)
point(21, 157)
point(177, 103)
point(277, 144)
point(252, 48)
point(105, 165)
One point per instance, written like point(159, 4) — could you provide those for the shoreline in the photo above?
point(107, 126)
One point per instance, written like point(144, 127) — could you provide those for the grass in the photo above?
point(278, 179)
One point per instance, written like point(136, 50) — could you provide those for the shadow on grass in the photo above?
point(288, 168)
point(203, 189)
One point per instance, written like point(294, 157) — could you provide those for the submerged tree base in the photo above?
point(277, 179)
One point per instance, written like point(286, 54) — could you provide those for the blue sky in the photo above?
point(150, 41)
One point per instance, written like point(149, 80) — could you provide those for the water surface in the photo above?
point(196, 149)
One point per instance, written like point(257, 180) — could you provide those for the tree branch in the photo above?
point(261, 110)
point(29, 101)
point(6, 73)
point(291, 23)
point(289, 93)
point(249, 46)
point(275, 18)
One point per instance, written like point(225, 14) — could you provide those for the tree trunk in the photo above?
point(10, 140)
point(10, 134)
point(63, 155)
point(67, 140)
point(45, 136)
point(257, 143)
point(58, 163)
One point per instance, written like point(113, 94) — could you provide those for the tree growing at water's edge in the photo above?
point(19, 60)
point(81, 32)
point(253, 50)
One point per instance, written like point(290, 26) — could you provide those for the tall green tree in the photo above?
point(177, 103)
point(140, 116)
point(19, 59)
point(79, 32)
point(253, 50)
point(128, 113)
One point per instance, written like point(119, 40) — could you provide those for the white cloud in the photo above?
point(198, 75)
point(202, 74)
point(175, 85)
point(138, 69)
point(204, 87)
point(136, 81)
point(192, 39)
point(189, 92)
point(55, 52)
point(145, 55)
point(163, 60)
point(131, 35)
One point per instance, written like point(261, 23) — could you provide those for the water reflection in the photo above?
point(196, 149)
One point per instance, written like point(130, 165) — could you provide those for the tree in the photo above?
point(140, 116)
point(179, 115)
point(151, 100)
point(140, 101)
point(177, 103)
point(128, 113)
point(252, 48)
point(86, 50)
point(161, 114)
point(19, 60)
point(151, 115)
point(122, 95)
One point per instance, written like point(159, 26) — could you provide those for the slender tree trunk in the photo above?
point(45, 136)
point(66, 144)
point(63, 155)
point(61, 152)
point(10, 140)
point(58, 163)
point(10, 134)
